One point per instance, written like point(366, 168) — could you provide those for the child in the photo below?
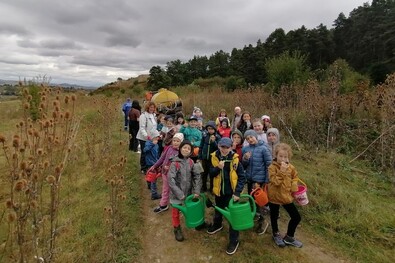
point(151, 150)
point(224, 130)
point(273, 138)
point(245, 122)
point(228, 183)
point(125, 109)
point(161, 123)
point(165, 161)
point(184, 180)
point(283, 181)
point(258, 128)
point(256, 161)
point(236, 118)
point(208, 145)
point(222, 114)
point(168, 131)
point(237, 142)
point(267, 123)
point(134, 115)
point(197, 112)
point(192, 134)
point(179, 120)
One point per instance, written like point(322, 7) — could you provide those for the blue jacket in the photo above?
point(151, 151)
point(126, 107)
point(256, 168)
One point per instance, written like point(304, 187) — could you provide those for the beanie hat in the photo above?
point(179, 136)
point(251, 133)
point(182, 144)
point(211, 124)
point(266, 117)
point(225, 141)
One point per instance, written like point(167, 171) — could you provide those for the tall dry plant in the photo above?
point(36, 157)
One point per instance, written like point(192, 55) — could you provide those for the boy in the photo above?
point(256, 160)
point(208, 145)
point(151, 150)
point(228, 182)
point(192, 134)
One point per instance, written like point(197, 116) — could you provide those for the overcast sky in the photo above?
point(93, 42)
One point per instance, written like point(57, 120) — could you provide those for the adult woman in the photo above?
point(147, 124)
point(134, 116)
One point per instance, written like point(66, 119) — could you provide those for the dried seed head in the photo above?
point(26, 106)
point(51, 179)
point(46, 164)
point(67, 115)
point(8, 203)
point(16, 142)
point(36, 133)
point(73, 97)
point(11, 217)
point(58, 169)
point(23, 165)
point(112, 182)
point(34, 204)
point(20, 185)
point(66, 99)
point(21, 123)
point(40, 151)
point(2, 139)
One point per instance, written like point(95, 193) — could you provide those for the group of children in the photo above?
point(193, 159)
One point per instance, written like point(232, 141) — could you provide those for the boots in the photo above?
point(178, 234)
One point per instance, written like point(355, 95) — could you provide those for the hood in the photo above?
point(236, 131)
point(211, 124)
point(276, 132)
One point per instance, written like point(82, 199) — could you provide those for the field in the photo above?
point(72, 192)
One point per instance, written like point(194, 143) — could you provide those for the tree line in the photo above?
point(365, 40)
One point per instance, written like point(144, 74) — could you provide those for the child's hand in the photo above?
point(212, 138)
point(236, 198)
point(185, 124)
point(196, 196)
point(234, 145)
point(247, 156)
point(284, 166)
point(221, 165)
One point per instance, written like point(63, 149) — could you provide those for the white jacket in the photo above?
point(147, 124)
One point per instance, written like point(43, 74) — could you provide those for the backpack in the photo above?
point(191, 163)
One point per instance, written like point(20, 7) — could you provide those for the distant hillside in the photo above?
point(124, 85)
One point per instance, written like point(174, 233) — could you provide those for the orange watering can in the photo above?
point(240, 214)
point(193, 210)
point(260, 196)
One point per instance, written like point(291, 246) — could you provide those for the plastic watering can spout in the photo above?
point(182, 208)
point(225, 212)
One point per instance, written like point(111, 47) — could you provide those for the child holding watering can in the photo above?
point(184, 179)
point(256, 160)
point(283, 181)
point(228, 183)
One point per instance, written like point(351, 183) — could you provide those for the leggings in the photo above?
point(293, 213)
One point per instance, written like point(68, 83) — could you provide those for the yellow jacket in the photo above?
point(280, 183)
point(234, 166)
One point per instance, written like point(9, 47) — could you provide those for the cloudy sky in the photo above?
point(93, 42)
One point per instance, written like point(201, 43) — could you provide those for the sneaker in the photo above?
point(262, 227)
point(178, 234)
point(161, 209)
point(156, 197)
point(214, 229)
point(232, 247)
point(291, 241)
point(278, 240)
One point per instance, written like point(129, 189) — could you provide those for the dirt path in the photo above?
point(159, 244)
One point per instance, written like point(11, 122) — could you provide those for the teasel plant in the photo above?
point(36, 157)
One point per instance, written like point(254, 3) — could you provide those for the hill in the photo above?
point(138, 83)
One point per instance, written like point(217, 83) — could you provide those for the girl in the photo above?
point(237, 143)
point(168, 131)
point(245, 122)
point(224, 130)
point(222, 114)
point(165, 161)
point(256, 161)
point(179, 120)
point(147, 124)
point(283, 181)
point(273, 138)
point(184, 179)
point(267, 123)
point(258, 128)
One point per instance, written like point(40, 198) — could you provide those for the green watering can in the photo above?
point(193, 210)
point(240, 214)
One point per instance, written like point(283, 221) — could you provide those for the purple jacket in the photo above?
point(164, 159)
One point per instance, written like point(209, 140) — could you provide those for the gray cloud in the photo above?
point(96, 41)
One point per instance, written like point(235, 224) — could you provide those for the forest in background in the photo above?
point(365, 40)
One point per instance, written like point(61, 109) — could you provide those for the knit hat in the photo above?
point(266, 117)
point(211, 124)
point(169, 117)
point(251, 133)
point(225, 141)
point(182, 144)
point(179, 136)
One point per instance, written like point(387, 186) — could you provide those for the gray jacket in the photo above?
point(184, 179)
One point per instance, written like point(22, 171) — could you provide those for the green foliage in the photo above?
point(158, 78)
point(287, 69)
point(122, 91)
point(349, 78)
point(234, 82)
point(210, 82)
